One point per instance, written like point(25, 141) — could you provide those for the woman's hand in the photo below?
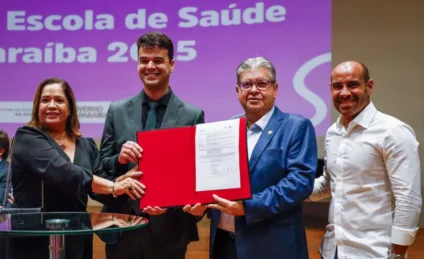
point(129, 186)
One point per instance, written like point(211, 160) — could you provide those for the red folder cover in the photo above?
point(169, 169)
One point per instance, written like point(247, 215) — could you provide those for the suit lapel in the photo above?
point(172, 113)
point(134, 108)
point(266, 136)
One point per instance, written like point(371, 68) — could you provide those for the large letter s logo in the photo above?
point(302, 90)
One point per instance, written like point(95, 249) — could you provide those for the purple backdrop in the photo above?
point(294, 35)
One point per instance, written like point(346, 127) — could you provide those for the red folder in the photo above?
point(169, 169)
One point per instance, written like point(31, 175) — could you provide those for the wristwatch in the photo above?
point(394, 256)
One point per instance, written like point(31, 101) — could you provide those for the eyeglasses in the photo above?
point(261, 85)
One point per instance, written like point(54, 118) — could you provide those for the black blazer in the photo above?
point(37, 157)
point(174, 229)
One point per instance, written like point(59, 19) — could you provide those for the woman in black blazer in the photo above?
point(56, 168)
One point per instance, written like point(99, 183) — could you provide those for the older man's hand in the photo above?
point(234, 208)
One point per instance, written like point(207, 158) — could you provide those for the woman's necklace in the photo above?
point(61, 145)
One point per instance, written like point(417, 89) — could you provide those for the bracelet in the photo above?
point(113, 190)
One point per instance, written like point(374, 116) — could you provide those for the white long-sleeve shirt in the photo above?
point(372, 172)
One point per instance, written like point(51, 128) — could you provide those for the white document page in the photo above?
point(217, 155)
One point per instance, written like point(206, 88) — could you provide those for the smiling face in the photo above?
point(154, 67)
point(349, 90)
point(254, 100)
point(53, 110)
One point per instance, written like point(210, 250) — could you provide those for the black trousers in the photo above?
point(140, 244)
point(224, 246)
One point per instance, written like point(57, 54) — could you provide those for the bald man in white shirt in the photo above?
point(372, 163)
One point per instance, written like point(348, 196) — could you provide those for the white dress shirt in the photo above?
point(226, 221)
point(372, 172)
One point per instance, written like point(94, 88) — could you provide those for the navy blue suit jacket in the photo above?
point(282, 172)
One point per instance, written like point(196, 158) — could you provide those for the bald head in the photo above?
point(352, 67)
point(351, 89)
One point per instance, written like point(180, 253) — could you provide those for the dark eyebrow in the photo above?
point(336, 84)
point(55, 96)
point(151, 58)
point(355, 81)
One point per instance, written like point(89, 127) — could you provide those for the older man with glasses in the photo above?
point(282, 162)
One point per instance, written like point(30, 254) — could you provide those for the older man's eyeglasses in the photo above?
point(260, 84)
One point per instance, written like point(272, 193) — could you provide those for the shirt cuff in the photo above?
point(118, 167)
point(402, 236)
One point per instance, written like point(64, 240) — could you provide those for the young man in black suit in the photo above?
point(156, 106)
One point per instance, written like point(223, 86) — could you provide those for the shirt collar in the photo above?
point(363, 118)
point(263, 121)
point(164, 100)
